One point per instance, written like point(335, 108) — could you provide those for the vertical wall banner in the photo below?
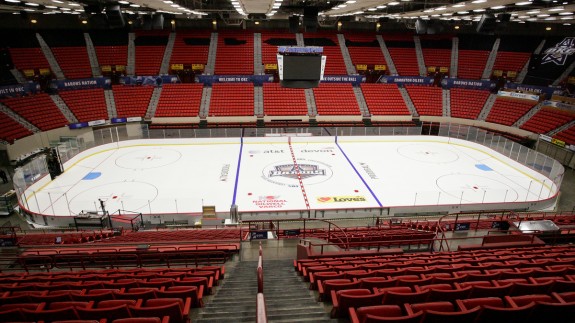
point(18, 89)
point(556, 56)
point(89, 83)
point(156, 80)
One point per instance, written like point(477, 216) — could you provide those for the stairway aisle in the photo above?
point(288, 298)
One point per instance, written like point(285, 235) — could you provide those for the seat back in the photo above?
point(111, 313)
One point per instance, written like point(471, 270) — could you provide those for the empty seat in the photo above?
point(344, 299)
point(382, 313)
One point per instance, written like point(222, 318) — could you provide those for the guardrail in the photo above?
point(261, 313)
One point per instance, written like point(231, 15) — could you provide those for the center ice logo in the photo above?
point(286, 173)
point(292, 171)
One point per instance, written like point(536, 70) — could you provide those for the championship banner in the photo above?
point(380, 68)
point(177, 67)
point(401, 80)
point(255, 79)
point(270, 66)
point(18, 89)
point(556, 56)
point(97, 82)
point(361, 67)
point(517, 95)
point(156, 80)
point(355, 80)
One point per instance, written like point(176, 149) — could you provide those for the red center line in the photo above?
point(296, 167)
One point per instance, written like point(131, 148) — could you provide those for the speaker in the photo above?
point(420, 26)
point(310, 18)
point(293, 24)
point(115, 17)
point(158, 21)
point(504, 17)
point(487, 24)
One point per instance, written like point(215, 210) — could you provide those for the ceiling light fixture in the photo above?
point(13, 1)
point(523, 3)
point(394, 3)
point(31, 4)
point(556, 9)
point(459, 5)
point(497, 7)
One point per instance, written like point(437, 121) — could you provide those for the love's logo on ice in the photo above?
point(341, 199)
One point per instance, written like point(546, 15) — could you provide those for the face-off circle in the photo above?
point(476, 188)
point(286, 174)
point(148, 158)
point(132, 196)
point(428, 154)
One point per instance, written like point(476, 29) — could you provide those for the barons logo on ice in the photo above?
point(560, 52)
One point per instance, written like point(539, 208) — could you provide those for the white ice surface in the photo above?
point(180, 176)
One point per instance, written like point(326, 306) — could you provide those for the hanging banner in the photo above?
point(448, 83)
point(97, 82)
point(402, 80)
point(156, 80)
point(124, 120)
point(517, 95)
point(255, 79)
point(18, 89)
point(355, 80)
point(560, 105)
point(548, 91)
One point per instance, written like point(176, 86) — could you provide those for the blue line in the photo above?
point(358, 174)
point(238, 170)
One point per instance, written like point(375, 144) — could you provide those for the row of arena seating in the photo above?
point(525, 308)
point(33, 239)
point(192, 47)
point(402, 281)
point(178, 235)
point(183, 100)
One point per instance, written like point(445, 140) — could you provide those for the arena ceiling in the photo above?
point(521, 11)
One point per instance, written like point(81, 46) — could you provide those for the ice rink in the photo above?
point(285, 174)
